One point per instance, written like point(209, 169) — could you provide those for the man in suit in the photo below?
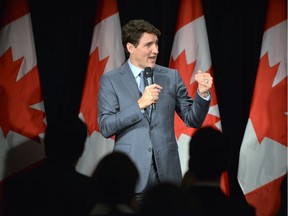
point(148, 137)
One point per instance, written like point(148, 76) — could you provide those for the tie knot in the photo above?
point(142, 82)
point(141, 74)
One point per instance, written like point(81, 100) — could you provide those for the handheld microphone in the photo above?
point(148, 74)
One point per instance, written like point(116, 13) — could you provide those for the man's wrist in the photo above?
point(204, 94)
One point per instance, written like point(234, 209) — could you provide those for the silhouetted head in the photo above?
point(208, 152)
point(115, 179)
point(64, 143)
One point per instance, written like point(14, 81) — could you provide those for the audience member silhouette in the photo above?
point(208, 159)
point(54, 187)
point(66, 190)
point(166, 199)
point(114, 182)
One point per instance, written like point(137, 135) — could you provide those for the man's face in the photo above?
point(145, 54)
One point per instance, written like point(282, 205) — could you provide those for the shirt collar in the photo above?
point(135, 70)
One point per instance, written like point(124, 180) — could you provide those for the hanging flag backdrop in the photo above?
point(190, 53)
point(22, 116)
point(263, 153)
point(106, 53)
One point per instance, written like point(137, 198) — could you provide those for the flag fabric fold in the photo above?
point(22, 115)
point(190, 53)
point(106, 53)
point(263, 153)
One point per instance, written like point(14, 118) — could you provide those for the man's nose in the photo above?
point(155, 49)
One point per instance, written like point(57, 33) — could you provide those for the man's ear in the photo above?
point(130, 47)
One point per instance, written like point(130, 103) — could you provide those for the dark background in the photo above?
point(63, 32)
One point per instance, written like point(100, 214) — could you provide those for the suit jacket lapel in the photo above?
point(161, 80)
point(129, 82)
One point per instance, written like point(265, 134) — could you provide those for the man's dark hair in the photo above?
point(133, 31)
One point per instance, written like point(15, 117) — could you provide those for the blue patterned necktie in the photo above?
point(142, 86)
point(142, 82)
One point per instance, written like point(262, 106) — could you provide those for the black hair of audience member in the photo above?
point(64, 142)
point(114, 180)
point(55, 187)
point(209, 158)
point(166, 199)
point(65, 189)
point(208, 154)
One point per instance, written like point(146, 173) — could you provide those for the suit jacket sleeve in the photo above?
point(115, 112)
point(192, 112)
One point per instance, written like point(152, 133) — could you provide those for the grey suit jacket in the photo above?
point(137, 135)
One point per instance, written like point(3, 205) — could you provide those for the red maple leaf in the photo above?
point(89, 107)
point(186, 72)
point(269, 104)
point(17, 97)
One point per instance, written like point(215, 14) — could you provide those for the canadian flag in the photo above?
point(190, 53)
point(263, 153)
point(22, 116)
point(106, 53)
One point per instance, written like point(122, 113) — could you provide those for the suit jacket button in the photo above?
point(151, 127)
point(149, 149)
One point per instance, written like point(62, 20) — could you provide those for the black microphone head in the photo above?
point(148, 72)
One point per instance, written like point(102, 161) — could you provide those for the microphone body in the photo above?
point(148, 74)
